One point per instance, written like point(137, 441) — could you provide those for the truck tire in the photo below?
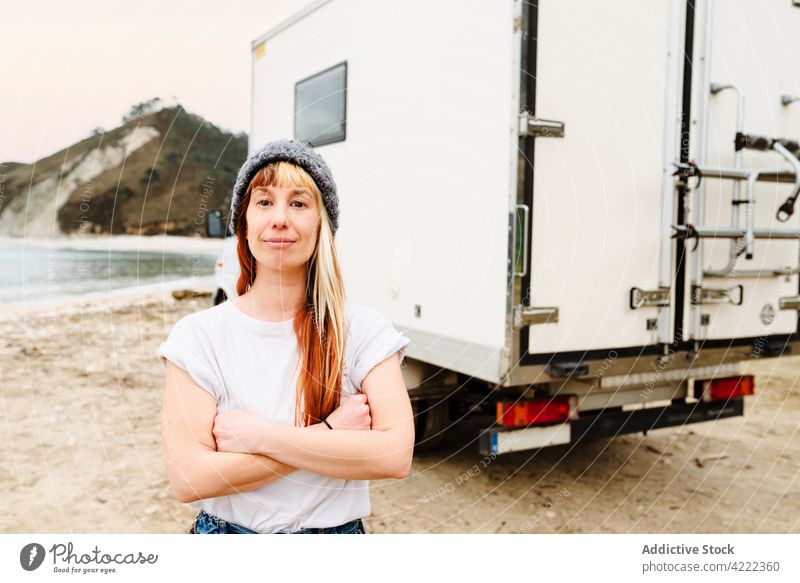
point(431, 420)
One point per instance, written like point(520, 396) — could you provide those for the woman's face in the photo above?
point(287, 213)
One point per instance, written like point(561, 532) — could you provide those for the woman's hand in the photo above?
point(239, 431)
point(352, 413)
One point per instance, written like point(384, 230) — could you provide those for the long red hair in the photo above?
point(319, 324)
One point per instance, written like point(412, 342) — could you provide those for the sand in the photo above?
point(81, 399)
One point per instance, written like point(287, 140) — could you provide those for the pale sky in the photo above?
point(67, 67)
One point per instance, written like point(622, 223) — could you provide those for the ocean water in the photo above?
point(36, 273)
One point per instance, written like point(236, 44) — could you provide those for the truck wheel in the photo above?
point(431, 420)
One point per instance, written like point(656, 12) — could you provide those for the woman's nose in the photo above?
point(280, 214)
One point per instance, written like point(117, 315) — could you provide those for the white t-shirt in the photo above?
point(247, 363)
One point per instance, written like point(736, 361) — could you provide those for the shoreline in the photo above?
point(89, 302)
point(154, 243)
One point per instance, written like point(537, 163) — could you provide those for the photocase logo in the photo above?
point(31, 556)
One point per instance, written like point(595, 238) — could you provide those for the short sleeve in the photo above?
point(376, 340)
point(185, 349)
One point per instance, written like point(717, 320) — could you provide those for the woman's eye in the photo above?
point(264, 200)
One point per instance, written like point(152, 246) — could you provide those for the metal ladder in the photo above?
point(742, 238)
point(748, 233)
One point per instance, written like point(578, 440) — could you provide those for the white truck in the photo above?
point(566, 206)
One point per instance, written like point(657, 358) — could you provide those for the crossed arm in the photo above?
point(208, 454)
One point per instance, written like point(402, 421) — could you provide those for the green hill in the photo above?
point(158, 173)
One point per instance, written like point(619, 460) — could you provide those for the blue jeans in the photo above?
point(208, 524)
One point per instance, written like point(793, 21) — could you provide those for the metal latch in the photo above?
point(641, 298)
point(527, 315)
point(704, 295)
point(789, 303)
point(536, 127)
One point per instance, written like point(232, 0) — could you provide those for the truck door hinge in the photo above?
point(789, 303)
point(532, 126)
point(528, 315)
point(641, 298)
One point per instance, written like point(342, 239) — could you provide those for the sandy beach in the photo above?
point(81, 400)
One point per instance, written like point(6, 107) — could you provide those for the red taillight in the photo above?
point(729, 388)
point(218, 265)
point(537, 411)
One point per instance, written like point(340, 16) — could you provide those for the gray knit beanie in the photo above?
point(297, 153)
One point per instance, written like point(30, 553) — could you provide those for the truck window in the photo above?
point(320, 106)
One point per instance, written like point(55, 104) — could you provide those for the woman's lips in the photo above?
point(280, 244)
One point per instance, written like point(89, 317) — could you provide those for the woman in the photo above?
point(280, 404)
